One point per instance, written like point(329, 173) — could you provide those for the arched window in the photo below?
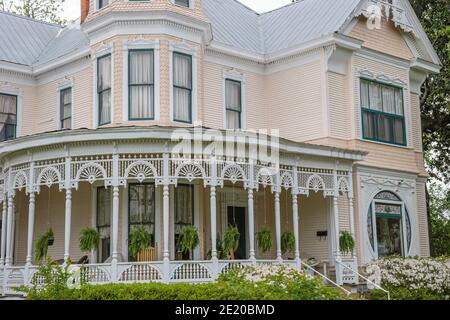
point(388, 225)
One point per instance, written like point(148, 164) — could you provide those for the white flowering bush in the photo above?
point(413, 278)
point(276, 282)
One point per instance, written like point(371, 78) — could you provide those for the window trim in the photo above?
point(190, 4)
point(241, 104)
point(97, 5)
point(17, 114)
point(98, 124)
point(391, 115)
point(130, 51)
point(191, 90)
point(61, 106)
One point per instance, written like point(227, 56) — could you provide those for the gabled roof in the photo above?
point(33, 43)
point(22, 39)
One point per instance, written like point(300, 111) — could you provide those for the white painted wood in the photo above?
point(4, 224)
point(278, 225)
point(251, 224)
point(31, 215)
point(68, 224)
point(9, 227)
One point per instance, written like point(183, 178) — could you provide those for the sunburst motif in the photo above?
point(91, 172)
point(233, 173)
point(315, 183)
point(49, 176)
point(140, 170)
point(190, 171)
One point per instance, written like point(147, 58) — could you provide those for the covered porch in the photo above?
point(111, 187)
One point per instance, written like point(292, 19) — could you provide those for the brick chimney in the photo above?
point(84, 10)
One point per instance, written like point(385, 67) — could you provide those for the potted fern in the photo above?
point(189, 240)
point(287, 242)
point(346, 242)
point(231, 240)
point(42, 244)
point(139, 239)
point(264, 240)
point(89, 240)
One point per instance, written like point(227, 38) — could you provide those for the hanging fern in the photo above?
point(42, 243)
point(139, 239)
point(264, 239)
point(287, 242)
point(89, 239)
point(231, 240)
point(346, 242)
point(189, 239)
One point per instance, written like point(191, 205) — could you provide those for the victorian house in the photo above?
point(93, 116)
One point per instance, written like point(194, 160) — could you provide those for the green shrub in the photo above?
point(264, 240)
point(251, 283)
point(89, 239)
point(42, 243)
point(189, 239)
point(139, 239)
point(287, 242)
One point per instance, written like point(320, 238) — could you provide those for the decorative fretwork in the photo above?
point(234, 173)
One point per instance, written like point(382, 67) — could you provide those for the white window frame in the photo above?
point(99, 54)
point(191, 4)
point(184, 49)
point(142, 45)
point(18, 92)
point(63, 86)
point(236, 76)
point(97, 5)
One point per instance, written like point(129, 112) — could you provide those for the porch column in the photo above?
point(213, 203)
point(166, 221)
point(68, 224)
point(251, 224)
point(31, 215)
point(3, 236)
point(9, 226)
point(278, 225)
point(295, 222)
point(336, 226)
point(115, 225)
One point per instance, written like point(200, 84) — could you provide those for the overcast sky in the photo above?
point(72, 7)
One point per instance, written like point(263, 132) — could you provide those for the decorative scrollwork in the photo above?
point(233, 172)
point(343, 185)
point(316, 183)
point(20, 180)
point(141, 170)
point(190, 171)
point(287, 181)
point(91, 172)
point(49, 176)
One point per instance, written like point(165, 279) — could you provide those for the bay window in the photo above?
point(66, 108)
point(182, 87)
point(8, 117)
point(233, 104)
point(141, 85)
point(184, 215)
point(383, 116)
point(104, 83)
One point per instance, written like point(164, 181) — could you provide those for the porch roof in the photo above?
point(163, 133)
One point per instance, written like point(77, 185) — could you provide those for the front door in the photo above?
point(237, 217)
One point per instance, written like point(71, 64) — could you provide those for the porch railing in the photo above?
point(142, 272)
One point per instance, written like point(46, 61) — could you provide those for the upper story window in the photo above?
point(383, 116)
point(182, 87)
point(8, 117)
point(66, 108)
point(104, 89)
point(102, 3)
point(233, 104)
point(183, 3)
point(141, 85)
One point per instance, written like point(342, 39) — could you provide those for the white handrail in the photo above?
point(325, 277)
point(371, 282)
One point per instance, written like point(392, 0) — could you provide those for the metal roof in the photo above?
point(238, 26)
point(22, 39)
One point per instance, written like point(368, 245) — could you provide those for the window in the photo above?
point(182, 87)
point(8, 117)
point(389, 227)
point(102, 3)
point(104, 89)
point(141, 208)
point(104, 223)
point(141, 85)
point(66, 108)
point(382, 113)
point(183, 3)
point(233, 104)
point(184, 215)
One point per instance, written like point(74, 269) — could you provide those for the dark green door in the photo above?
point(237, 217)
